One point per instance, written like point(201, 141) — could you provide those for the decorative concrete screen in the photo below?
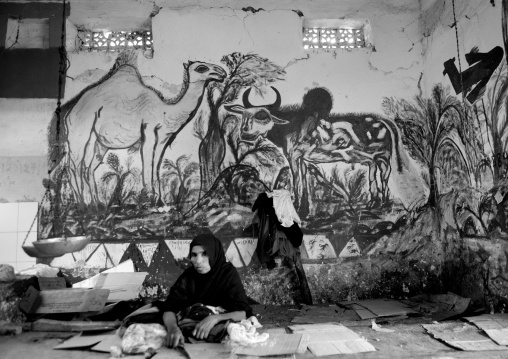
point(329, 38)
point(115, 41)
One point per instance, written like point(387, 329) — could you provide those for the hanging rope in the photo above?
point(458, 50)
point(55, 208)
point(61, 74)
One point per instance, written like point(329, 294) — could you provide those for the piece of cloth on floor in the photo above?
point(139, 337)
point(284, 209)
point(244, 333)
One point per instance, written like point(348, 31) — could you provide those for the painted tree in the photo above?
point(121, 192)
point(430, 124)
point(495, 111)
point(180, 178)
point(249, 70)
point(352, 182)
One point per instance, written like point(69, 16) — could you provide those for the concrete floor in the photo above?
point(409, 340)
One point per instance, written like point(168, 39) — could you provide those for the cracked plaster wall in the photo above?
point(358, 79)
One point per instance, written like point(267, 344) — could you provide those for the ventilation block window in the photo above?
point(115, 41)
point(329, 38)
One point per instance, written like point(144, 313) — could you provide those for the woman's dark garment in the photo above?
point(219, 287)
point(191, 316)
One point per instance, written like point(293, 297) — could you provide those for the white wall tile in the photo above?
point(26, 215)
point(9, 242)
point(8, 217)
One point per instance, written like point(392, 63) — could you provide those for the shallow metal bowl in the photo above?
point(34, 252)
point(56, 247)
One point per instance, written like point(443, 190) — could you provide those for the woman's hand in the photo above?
point(204, 327)
point(174, 338)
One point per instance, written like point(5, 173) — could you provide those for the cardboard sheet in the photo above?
point(82, 341)
point(462, 336)
point(51, 325)
point(207, 350)
point(315, 314)
point(162, 353)
point(490, 321)
point(236, 356)
point(124, 267)
point(277, 344)
point(48, 283)
point(495, 325)
point(121, 286)
point(63, 300)
point(378, 308)
point(107, 342)
point(332, 339)
point(363, 312)
point(500, 336)
point(439, 306)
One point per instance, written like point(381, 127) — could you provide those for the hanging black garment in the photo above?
point(272, 236)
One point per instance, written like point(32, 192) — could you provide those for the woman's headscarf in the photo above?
point(213, 247)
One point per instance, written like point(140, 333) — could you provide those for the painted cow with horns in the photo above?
point(315, 136)
point(246, 141)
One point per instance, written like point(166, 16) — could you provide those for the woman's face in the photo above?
point(200, 260)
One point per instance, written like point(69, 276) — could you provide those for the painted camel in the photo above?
point(121, 112)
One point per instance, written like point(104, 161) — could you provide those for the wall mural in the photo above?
point(354, 177)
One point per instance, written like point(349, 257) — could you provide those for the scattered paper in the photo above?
point(107, 342)
point(500, 336)
point(207, 350)
point(490, 321)
point(332, 339)
point(82, 341)
point(121, 286)
point(495, 325)
point(462, 336)
point(124, 267)
point(378, 328)
point(372, 308)
point(277, 344)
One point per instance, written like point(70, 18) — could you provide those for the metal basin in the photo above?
point(56, 247)
point(34, 252)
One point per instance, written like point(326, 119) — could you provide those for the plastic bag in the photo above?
point(245, 334)
point(40, 270)
point(138, 338)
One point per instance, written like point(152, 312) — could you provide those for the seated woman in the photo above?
point(210, 281)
